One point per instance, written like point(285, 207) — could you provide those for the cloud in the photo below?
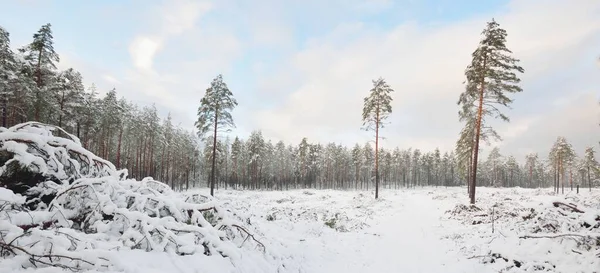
point(577, 119)
point(142, 50)
point(176, 17)
point(425, 65)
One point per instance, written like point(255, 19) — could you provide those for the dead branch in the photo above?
point(35, 258)
point(571, 207)
point(554, 236)
point(249, 235)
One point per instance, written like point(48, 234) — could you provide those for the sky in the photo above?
point(302, 68)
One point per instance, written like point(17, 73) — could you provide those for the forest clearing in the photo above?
point(305, 137)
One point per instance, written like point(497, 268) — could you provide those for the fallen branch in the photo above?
point(249, 235)
point(553, 236)
point(572, 207)
point(35, 258)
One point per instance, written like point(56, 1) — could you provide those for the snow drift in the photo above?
point(62, 206)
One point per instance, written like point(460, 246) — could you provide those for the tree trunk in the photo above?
point(531, 174)
point(78, 130)
point(377, 153)
point(478, 131)
point(162, 162)
point(119, 148)
point(214, 155)
point(589, 179)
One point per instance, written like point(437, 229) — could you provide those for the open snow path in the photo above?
point(405, 238)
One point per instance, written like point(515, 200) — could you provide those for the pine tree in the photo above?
point(561, 155)
point(491, 74)
point(8, 71)
point(513, 169)
point(494, 161)
point(67, 91)
point(590, 164)
point(214, 113)
point(530, 163)
point(377, 108)
point(42, 59)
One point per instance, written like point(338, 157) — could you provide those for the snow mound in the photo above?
point(540, 232)
point(91, 211)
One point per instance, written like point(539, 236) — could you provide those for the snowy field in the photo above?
point(409, 230)
point(423, 230)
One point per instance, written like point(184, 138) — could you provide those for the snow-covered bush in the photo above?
point(90, 209)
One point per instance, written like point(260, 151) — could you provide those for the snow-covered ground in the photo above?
point(409, 230)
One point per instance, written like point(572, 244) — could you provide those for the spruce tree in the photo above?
point(377, 108)
point(491, 76)
point(214, 113)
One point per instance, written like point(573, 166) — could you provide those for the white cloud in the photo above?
point(142, 50)
point(176, 17)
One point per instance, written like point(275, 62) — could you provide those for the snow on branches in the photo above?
point(90, 209)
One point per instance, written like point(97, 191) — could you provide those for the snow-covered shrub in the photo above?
point(92, 209)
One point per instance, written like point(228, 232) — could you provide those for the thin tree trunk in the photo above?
point(377, 153)
point(478, 131)
point(214, 154)
point(589, 179)
point(119, 148)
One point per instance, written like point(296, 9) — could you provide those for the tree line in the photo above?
point(258, 163)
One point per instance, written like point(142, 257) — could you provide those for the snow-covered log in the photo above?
point(89, 208)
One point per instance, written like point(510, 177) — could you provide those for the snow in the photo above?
point(97, 220)
point(409, 230)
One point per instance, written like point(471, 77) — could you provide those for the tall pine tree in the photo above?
point(377, 108)
point(490, 77)
point(42, 60)
point(214, 113)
